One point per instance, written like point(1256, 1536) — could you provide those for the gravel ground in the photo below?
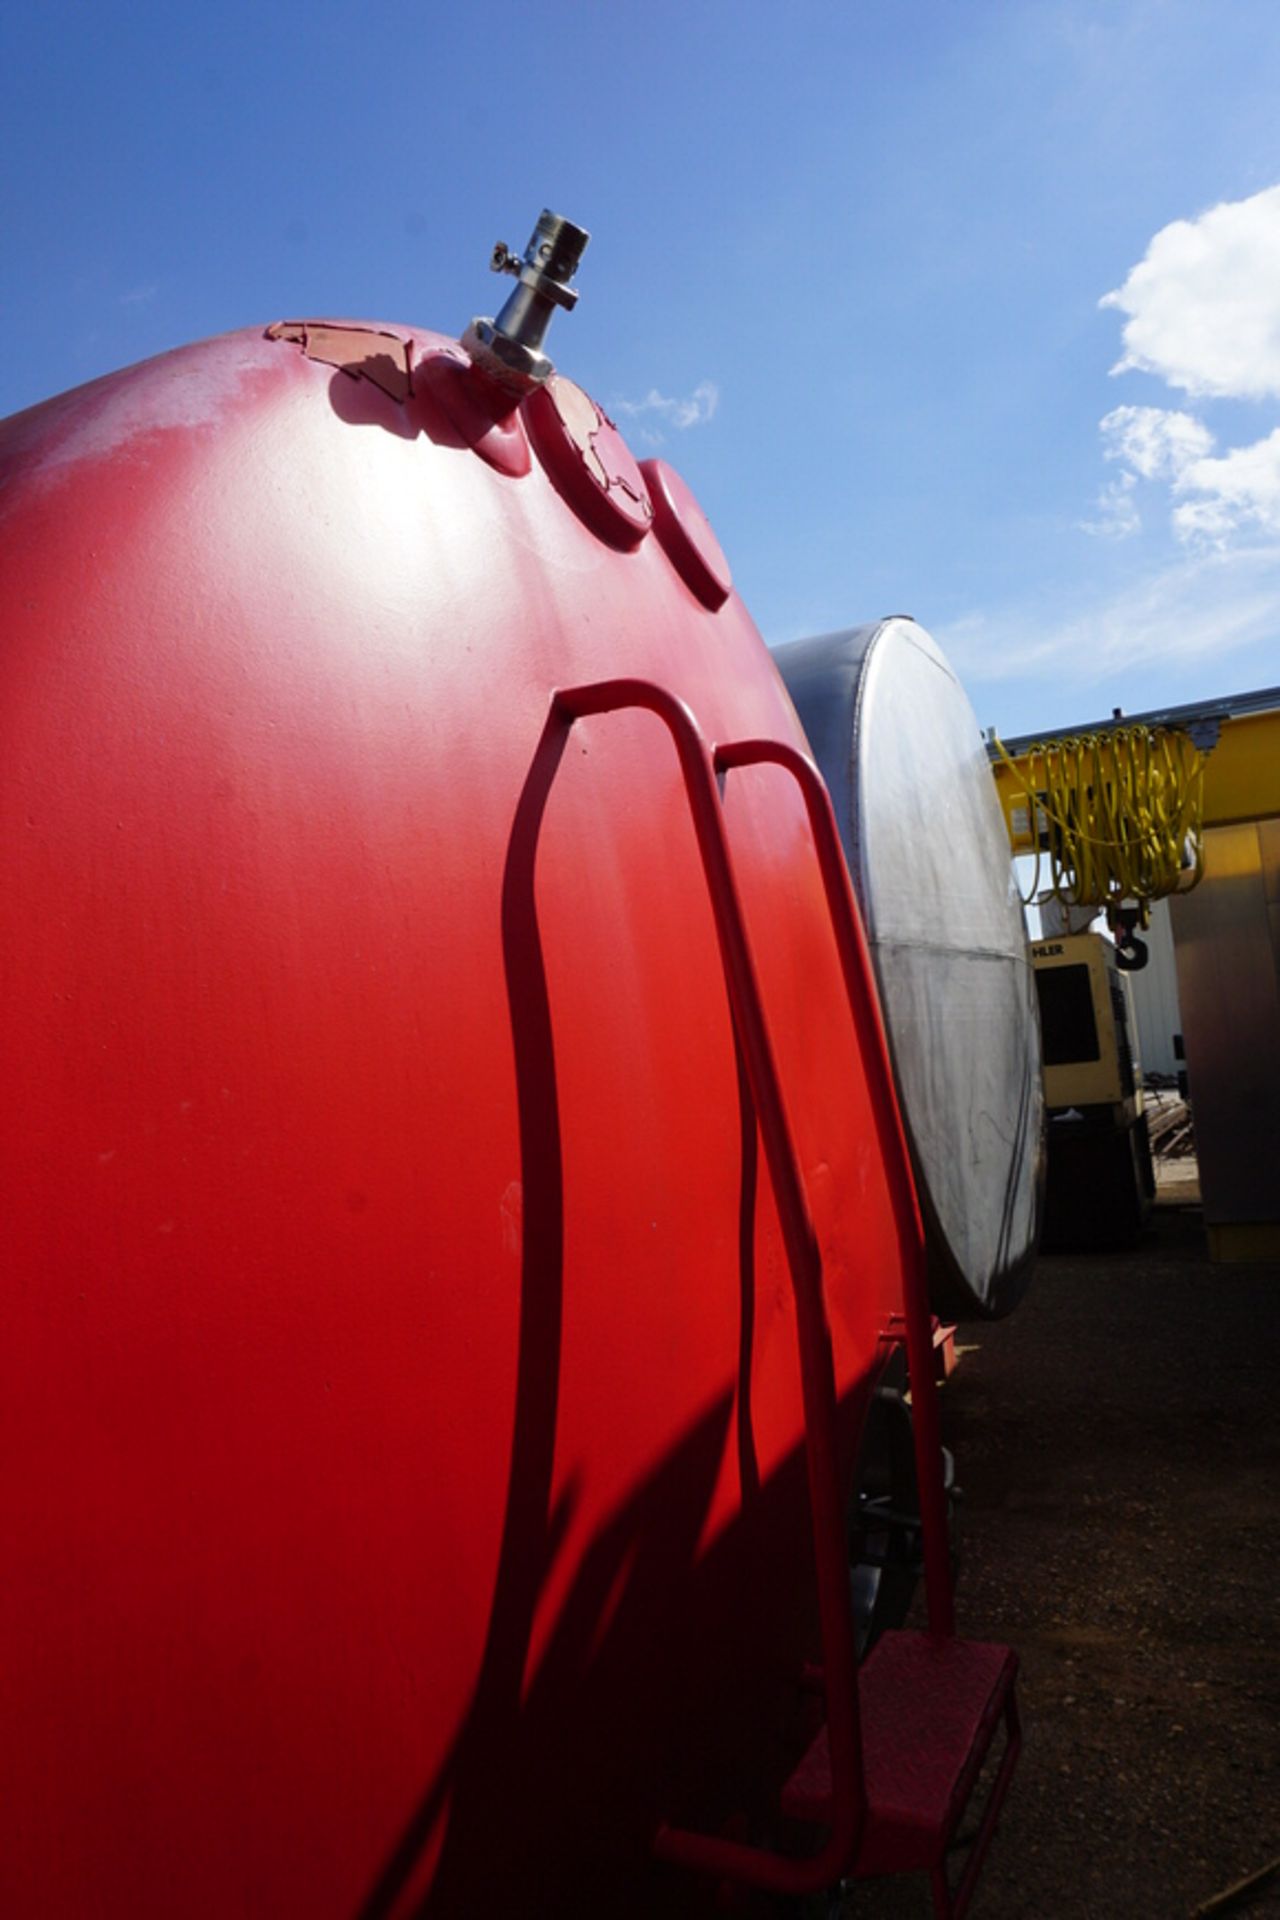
point(1116, 1440)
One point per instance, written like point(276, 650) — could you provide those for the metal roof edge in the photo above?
point(1232, 706)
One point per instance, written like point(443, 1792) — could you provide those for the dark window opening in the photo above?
point(1067, 1024)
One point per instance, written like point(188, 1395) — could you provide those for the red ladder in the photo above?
point(894, 1767)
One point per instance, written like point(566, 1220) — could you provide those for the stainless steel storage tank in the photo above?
point(902, 753)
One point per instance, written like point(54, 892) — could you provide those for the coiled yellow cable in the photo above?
point(1125, 811)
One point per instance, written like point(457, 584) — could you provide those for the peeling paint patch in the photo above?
point(366, 353)
point(584, 421)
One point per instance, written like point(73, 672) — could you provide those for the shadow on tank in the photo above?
point(658, 1695)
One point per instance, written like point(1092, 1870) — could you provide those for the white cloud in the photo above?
point(693, 411)
point(1241, 492)
point(1233, 495)
point(1116, 509)
point(1203, 310)
point(1156, 444)
point(1202, 313)
point(1203, 305)
point(1203, 607)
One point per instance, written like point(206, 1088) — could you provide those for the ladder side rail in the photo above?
point(864, 1008)
point(702, 1852)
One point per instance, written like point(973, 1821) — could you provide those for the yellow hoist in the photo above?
point(1116, 816)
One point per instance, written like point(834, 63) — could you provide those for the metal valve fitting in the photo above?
point(509, 349)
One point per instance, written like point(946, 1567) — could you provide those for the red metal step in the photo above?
point(929, 1710)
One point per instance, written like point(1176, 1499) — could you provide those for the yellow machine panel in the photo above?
point(1085, 1023)
point(1100, 1180)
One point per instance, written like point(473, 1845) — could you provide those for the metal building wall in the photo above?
point(1227, 936)
point(1155, 996)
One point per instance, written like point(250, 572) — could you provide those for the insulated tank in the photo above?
point(403, 1489)
point(906, 765)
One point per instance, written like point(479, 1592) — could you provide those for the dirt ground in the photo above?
point(1116, 1440)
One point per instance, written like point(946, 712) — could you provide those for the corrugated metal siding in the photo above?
point(1155, 996)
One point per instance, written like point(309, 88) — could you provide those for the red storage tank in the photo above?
point(403, 1481)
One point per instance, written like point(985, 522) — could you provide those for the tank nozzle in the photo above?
point(509, 349)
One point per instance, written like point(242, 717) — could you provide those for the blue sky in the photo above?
point(846, 269)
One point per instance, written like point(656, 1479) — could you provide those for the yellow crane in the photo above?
point(1206, 797)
